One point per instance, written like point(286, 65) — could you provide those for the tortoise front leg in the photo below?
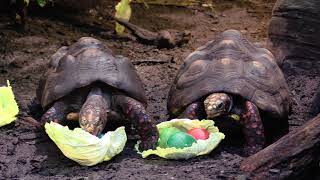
point(194, 111)
point(56, 113)
point(135, 111)
point(252, 128)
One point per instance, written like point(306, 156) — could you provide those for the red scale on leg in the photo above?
point(252, 128)
point(56, 113)
point(192, 111)
point(254, 125)
point(141, 121)
point(258, 132)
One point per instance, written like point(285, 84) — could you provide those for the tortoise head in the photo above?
point(93, 114)
point(91, 121)
point(217, 104)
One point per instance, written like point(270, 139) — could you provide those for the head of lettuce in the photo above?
point(8, 106)
point(85, 148)
point(200, 147)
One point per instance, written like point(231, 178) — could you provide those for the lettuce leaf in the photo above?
point(201, 147)
point(85, 148)
point(8, 106)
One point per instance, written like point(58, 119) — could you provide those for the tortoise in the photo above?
point(88, 79)
point(293, 34)
point(231, 77)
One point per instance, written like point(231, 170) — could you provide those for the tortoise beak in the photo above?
point(214, 115)
point(94, 129)
point(89, 128)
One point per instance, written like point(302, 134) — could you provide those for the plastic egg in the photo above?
point(199, 133)
point(180, 140)
point(164, 135)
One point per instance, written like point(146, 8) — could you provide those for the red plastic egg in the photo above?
point(199, 133)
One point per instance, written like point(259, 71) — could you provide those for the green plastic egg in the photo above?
point(165, 133)
point(180, 140)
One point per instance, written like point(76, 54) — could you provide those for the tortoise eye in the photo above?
point(220, 106)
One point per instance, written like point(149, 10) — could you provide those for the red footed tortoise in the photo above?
point(87, 78)
point(231, 76)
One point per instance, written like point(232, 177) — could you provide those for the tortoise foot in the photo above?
point(135, 111)
point(56, 113)
point(194, 111)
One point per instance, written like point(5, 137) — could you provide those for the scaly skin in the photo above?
point(135, 111)
point(252, 128)
point(194, 111)
point(217, 104)
point(56, 113)
point(93, 114)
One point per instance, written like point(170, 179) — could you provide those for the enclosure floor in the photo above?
point(29, 154)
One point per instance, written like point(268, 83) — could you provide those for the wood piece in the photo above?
point(294, 33)
point(161, 39)
point(289, 157)
point(169, 2)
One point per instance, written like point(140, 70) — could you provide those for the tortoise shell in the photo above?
point(293, 33)
point(83, 63)
point(231, 64)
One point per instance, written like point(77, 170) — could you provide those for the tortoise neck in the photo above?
point(237, 106)
point(95, 91)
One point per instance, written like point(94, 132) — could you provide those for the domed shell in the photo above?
point(233, 65)
point(86, 62)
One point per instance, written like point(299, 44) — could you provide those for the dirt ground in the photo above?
point(27, 153)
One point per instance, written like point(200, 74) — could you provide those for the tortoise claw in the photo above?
point(149, 143)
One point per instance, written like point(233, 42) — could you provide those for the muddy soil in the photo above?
point(27, 153)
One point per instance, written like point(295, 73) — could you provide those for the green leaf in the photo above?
point(42, 3)
point(27, 2)
point(85, 148)
point(123, 11)
point(8, 106)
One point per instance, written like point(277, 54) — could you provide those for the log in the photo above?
point(294, 33)
point(162, 39)
point(289, 157)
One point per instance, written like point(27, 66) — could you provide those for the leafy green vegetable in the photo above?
point(84, 148)
point(27, 2)
point(200, 148)
point(8, 106)
point(123, 11)
point(42, 3)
